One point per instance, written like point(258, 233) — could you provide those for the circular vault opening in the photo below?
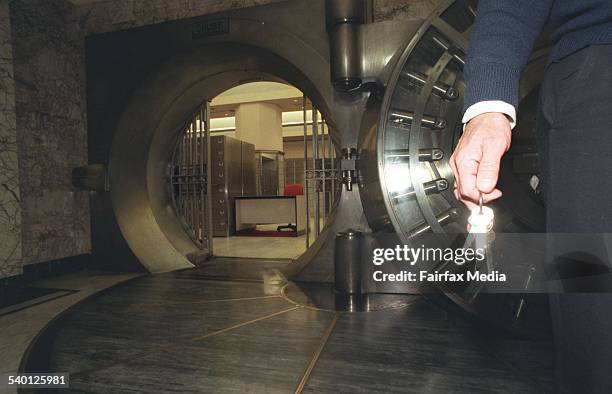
point(241, 175)
point(141, 150)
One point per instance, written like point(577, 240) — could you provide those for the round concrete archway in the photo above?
point(150, 124)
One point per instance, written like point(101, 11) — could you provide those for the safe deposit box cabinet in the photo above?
point(232, 175)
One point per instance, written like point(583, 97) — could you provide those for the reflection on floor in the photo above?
point(263, 247)
point(218, 329)
point(260, 247)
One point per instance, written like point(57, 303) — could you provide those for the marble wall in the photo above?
point(10, 210)
point(49, 70)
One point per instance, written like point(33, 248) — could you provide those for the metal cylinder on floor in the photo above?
point(347, 262)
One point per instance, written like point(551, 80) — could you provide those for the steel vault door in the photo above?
point(407, 138)
point(188, 181)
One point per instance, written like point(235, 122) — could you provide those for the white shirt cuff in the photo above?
point(483, 107)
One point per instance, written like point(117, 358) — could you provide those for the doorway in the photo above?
point(269, 195)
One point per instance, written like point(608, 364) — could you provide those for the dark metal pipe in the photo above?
point(407, 117)
point(398, 155)
point(347, 262)
point(343, 19)
point(443, 218)
point(431, 187)
point(439, 89)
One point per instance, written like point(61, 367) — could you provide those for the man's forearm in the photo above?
point(500, 45)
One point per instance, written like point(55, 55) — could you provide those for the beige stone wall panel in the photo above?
point(10, 209)
point(49, 64)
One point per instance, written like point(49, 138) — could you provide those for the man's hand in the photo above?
point(475, 162)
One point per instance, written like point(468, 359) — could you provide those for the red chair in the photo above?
point(294, 189)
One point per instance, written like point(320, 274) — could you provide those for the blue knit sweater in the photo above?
point(505, 31)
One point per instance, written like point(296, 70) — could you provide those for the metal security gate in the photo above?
point(322, 178)
point(189, 186)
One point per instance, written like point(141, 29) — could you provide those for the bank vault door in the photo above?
point(190, 172)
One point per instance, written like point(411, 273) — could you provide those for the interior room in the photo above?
point(274, 122)
point(227, 197)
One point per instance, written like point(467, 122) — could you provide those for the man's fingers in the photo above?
point(494, 195)
point(469, 204)
point(453, 165)
point(468, 169)
point(488, 169)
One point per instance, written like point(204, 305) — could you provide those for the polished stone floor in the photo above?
point(21, 325)
point(221, 328)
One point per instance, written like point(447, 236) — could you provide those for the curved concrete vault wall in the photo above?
point(149, 127)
